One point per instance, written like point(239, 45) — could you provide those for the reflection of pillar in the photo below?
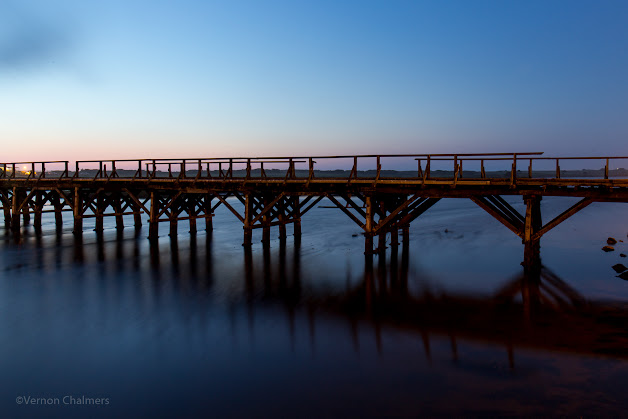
point(297, 219)
point(533, 223)
point(248, 217)
point(78, 214)
point(193, 253)
point(100, 248)
point(248, 271)
point(530, 289)
point(174, 254)
point(78, 248)
point(153, 224)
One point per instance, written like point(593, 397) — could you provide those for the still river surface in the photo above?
point(198, 327)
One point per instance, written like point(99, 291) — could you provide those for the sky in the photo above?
point(189, 78)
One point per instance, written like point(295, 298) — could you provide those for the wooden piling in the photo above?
point(99, 227)
point(26, 215)
point(7, 215)
point(208, 213)
point(153, 224)
point(15, 212)
point(37, 212)
point(266, 223)
point(368, 226)
point(297, 219)
point(137, 219)
point(117, 207)
point(56, 204)
point(191, 210)
point(77, 212)
point(248, 217)
point(533, 223)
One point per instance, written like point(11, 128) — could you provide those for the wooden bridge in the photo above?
point(382, 194)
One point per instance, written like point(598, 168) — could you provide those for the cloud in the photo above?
point(30, 42)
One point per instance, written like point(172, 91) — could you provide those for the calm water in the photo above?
point(199, 327)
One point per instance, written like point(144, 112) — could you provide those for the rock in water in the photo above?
point(623, 276)
point(622, 255)
point(619, 268)
point(611, 241)
point(608, 248)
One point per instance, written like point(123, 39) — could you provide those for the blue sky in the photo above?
point(151, 79)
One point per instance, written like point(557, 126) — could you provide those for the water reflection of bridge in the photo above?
point(535, 310)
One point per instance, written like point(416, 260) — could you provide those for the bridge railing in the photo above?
point(34, 170)
point(422, 167)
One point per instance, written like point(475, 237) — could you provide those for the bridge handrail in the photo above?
point(223, 168)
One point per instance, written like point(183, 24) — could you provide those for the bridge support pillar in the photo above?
point(117, 207)
point(37, 221)
point(405, 236)
point(15, 212)
point(54, 199)
point(26, 215)
point(78, 215)
point(192, 214)
point(153, 223)
point(368, 226)
point(394, 237)
point(137, 219)
point(296, 204)
point(248, 217)
point(297, 230)
point(533, 223)
point(209, 215)
point(7, 216)
point(99, 227)
point(266, 225)
point(174, 227)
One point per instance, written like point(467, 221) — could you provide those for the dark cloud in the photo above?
point(31, 41)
